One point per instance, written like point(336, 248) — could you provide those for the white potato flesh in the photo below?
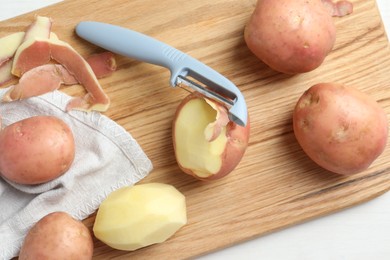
point(134, 217)
point(193, 150)
point(9, 44)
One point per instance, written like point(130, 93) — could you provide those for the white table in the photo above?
point(359, 233)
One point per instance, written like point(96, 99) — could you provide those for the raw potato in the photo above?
point(57, 236)
point(340, 128)
point(134, 217)
point(290, 36)
point(207, 145)
point(36, 150)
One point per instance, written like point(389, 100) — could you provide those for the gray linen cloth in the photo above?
point(107, 158)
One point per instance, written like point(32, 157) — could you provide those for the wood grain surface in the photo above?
point(275, 185)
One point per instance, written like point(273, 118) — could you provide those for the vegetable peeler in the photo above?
point(185, 70)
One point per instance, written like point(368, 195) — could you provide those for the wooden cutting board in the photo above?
point(275, 185)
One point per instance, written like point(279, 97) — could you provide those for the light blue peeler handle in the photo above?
point(144, 48)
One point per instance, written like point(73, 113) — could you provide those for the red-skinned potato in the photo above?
point(207, 145)
point(340, 128)
point(36, 150)
point(57, 236)
point(290, 36)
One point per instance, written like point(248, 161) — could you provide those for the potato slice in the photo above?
point(134, 217)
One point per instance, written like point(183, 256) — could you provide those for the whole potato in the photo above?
point(57, 236)
point(340, 128)
point(36, 150)
point(290, 36)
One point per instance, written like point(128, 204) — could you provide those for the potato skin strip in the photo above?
point(338, 9)
point(39, 51)
point(39, 81)
point(103, 64)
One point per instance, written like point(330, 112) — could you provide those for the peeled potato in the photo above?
point(134, 217)
point(207, 144)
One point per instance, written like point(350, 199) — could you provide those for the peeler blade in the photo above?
point(139, 46)
point(184, 82)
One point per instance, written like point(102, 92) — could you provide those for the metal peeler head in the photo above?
point(217, 88)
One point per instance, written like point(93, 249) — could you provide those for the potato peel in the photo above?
point(213, 130)
point(39, 46)
point(38, 81)
point(103, 64)
point(9, 44)
point(41, 28)
point(338, 9)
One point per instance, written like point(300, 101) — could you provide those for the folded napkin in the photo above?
point(107, 158)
